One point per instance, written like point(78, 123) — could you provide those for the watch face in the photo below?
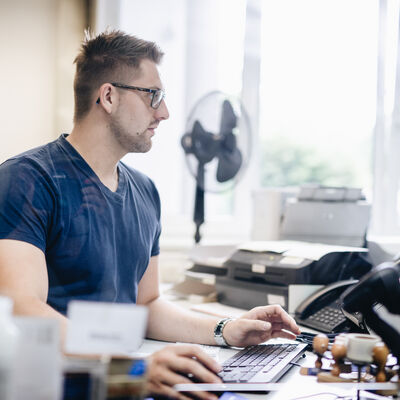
point(219, 338)
point(218, 330)
point(219, 326)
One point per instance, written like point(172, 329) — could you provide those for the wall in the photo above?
point(39, 41)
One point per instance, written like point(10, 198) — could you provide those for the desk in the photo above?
point(294, 385)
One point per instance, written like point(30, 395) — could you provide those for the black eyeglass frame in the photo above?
point(153, 92)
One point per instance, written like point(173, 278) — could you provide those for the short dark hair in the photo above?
point(105, 58)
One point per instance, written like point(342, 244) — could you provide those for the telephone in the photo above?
point(321, 310)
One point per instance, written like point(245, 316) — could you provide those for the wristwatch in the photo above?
point(218, 332)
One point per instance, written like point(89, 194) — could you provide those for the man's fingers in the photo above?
point(277, 326)
point(176, 364)
point(170, 378)
point(190, 366)
point(253, 326)
point(288, 322)
point(263, 326)
point(166, 379)
point(275, 313)
point(191, 351)
point(185, 367)
point(283, 334)
point(246, 332)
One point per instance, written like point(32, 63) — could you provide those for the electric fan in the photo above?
point(217, 145)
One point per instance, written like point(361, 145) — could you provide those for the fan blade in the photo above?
point(198, 216)
point(228, 118)
point(228, 142)
point(229, 163)
point(205, 145)
point(229, 156)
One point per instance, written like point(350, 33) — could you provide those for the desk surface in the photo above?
point(294, 386)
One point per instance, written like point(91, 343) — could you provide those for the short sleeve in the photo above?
point(25, 203)
point(155, 250)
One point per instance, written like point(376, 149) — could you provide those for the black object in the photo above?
point(259, 278)
point(77, 385)
point(205, 146)
point(380, 286)
point(308, 337)
point(321, 310)
point(208, 269)
point(269, 268)
point(274, 268)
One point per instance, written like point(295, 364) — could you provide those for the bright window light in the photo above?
point(318, 91)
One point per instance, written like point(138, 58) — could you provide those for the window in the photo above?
point(318, 92)
point(317, 77)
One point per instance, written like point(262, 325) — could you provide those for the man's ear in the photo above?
point(107, 97)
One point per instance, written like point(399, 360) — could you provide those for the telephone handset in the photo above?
point(321, 310)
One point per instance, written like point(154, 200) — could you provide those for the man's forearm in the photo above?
point(32, 306)
point(174, 324)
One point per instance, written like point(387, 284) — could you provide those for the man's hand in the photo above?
point(181, 364)
point(260, 324)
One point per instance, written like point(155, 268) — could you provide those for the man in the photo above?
point(77, 223)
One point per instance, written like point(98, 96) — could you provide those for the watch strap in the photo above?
point(218, 332)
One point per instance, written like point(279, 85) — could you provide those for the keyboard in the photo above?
point(261, 363)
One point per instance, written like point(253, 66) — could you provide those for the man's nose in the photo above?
point(162, 111)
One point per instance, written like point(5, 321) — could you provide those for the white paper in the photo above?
point(105, 328)
point(315, 251)
point(39, 359)
point(212, 255)
point(270, 246)
point(292, 248)
point(298, 293)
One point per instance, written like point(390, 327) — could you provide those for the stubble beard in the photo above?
point(136, 142)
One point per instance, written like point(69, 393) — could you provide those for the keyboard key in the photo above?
point(250, 361)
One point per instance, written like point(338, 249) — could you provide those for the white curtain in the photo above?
point(386, 202)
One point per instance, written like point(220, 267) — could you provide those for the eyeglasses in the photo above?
point(157, 95)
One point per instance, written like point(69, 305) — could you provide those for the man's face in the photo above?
point(134, 121)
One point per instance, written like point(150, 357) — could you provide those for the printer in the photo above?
point(322, 238)
point(330, 215)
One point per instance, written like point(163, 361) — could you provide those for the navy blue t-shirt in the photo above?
point(97, 243)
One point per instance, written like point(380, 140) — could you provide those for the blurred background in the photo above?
point(319, 80)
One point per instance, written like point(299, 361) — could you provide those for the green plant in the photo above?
point(289, 164)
